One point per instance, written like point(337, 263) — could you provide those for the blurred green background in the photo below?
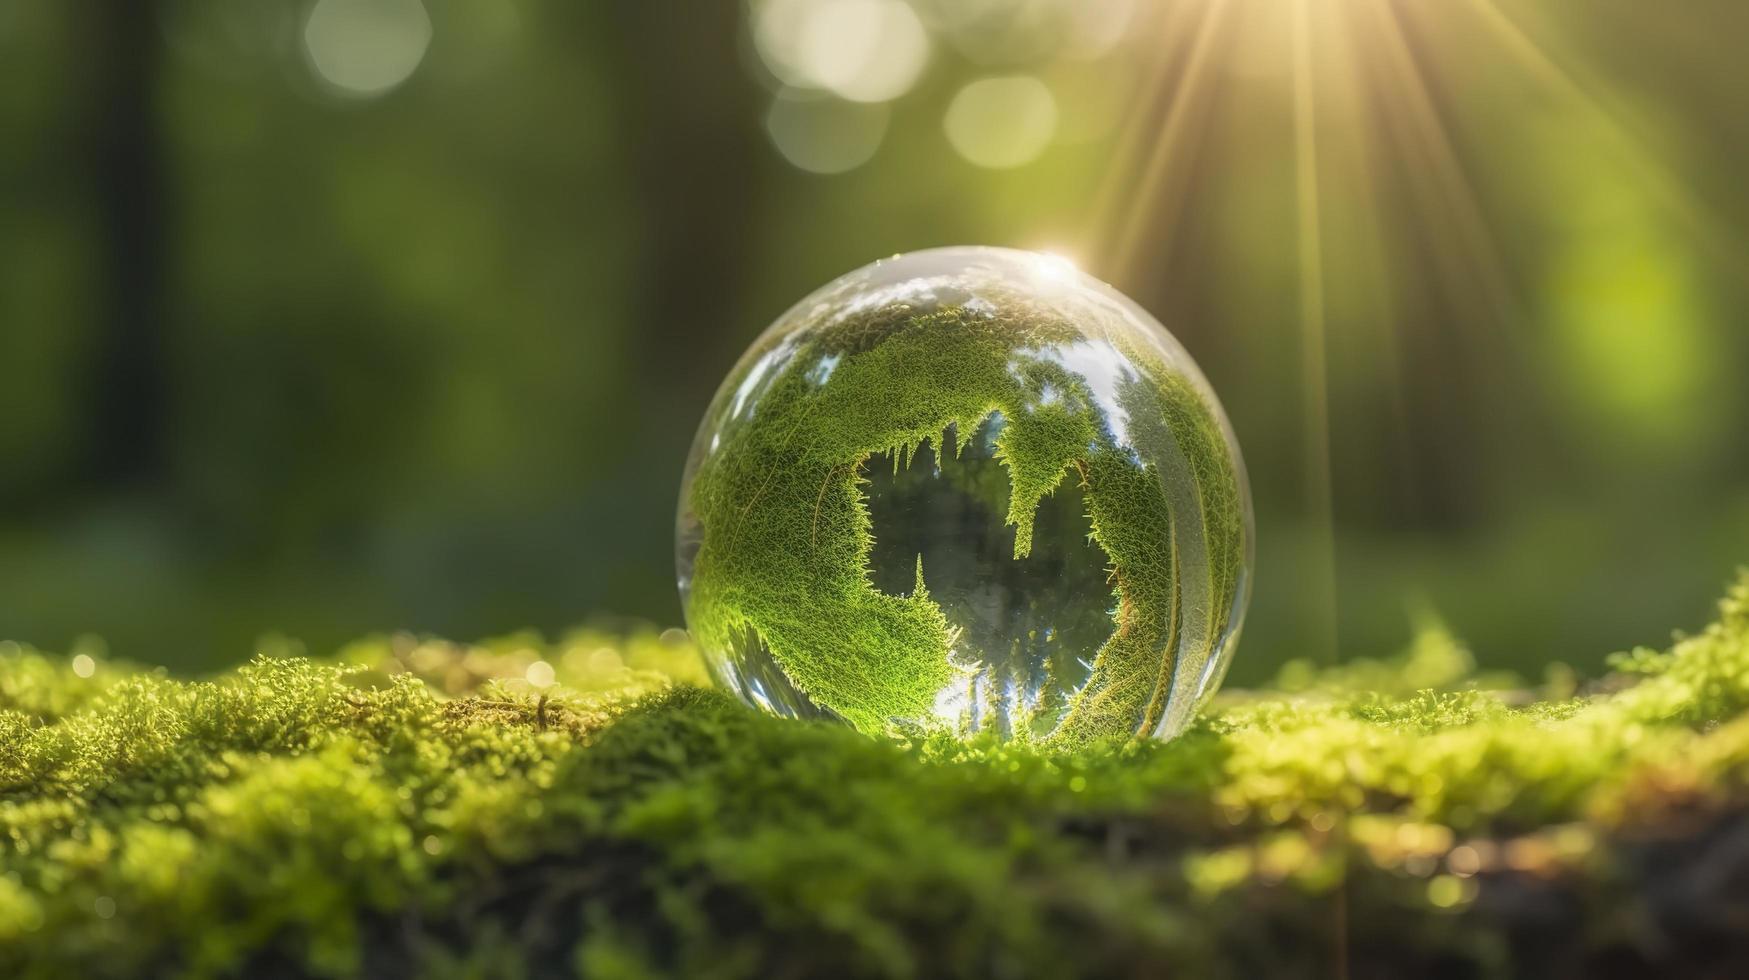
point(324, 318)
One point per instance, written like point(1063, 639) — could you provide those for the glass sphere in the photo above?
point(968, 490)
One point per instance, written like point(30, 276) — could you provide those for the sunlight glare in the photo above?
point(1055, 267)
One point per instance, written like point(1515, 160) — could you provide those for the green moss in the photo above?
point(786, 534)
point(416, 806)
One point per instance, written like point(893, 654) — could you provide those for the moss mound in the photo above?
point(411, 806)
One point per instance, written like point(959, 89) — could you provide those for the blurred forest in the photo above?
point(332, 317)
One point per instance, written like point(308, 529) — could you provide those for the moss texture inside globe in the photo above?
point(968, 490)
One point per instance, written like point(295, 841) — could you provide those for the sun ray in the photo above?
point(1357, 163)
point(1160, 186)
point(1484, 314)
point(1321, 586)
point(1110, 201)
point(1453, 191)
point(1666, 189)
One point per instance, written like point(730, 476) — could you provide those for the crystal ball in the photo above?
point(968, 490)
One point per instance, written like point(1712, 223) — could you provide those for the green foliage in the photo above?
point(417, 806)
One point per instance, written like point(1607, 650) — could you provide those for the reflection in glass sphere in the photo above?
point(968, 490)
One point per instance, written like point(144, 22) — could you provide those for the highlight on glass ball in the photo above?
point(968, 490)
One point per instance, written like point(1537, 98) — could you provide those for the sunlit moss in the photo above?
point(352, 818)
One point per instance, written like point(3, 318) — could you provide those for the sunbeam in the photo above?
point(1321, 591)
point(1159, 188)
point(1665, 188)
point(1150, 98)
point(1452, 190)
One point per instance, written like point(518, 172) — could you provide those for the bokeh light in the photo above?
point(824, 135)
point(861, 50)
point(366, 47)
point(540, 674)
point(1006, 121)
point(1096, 26)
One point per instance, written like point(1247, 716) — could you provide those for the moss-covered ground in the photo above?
point(410, 806)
